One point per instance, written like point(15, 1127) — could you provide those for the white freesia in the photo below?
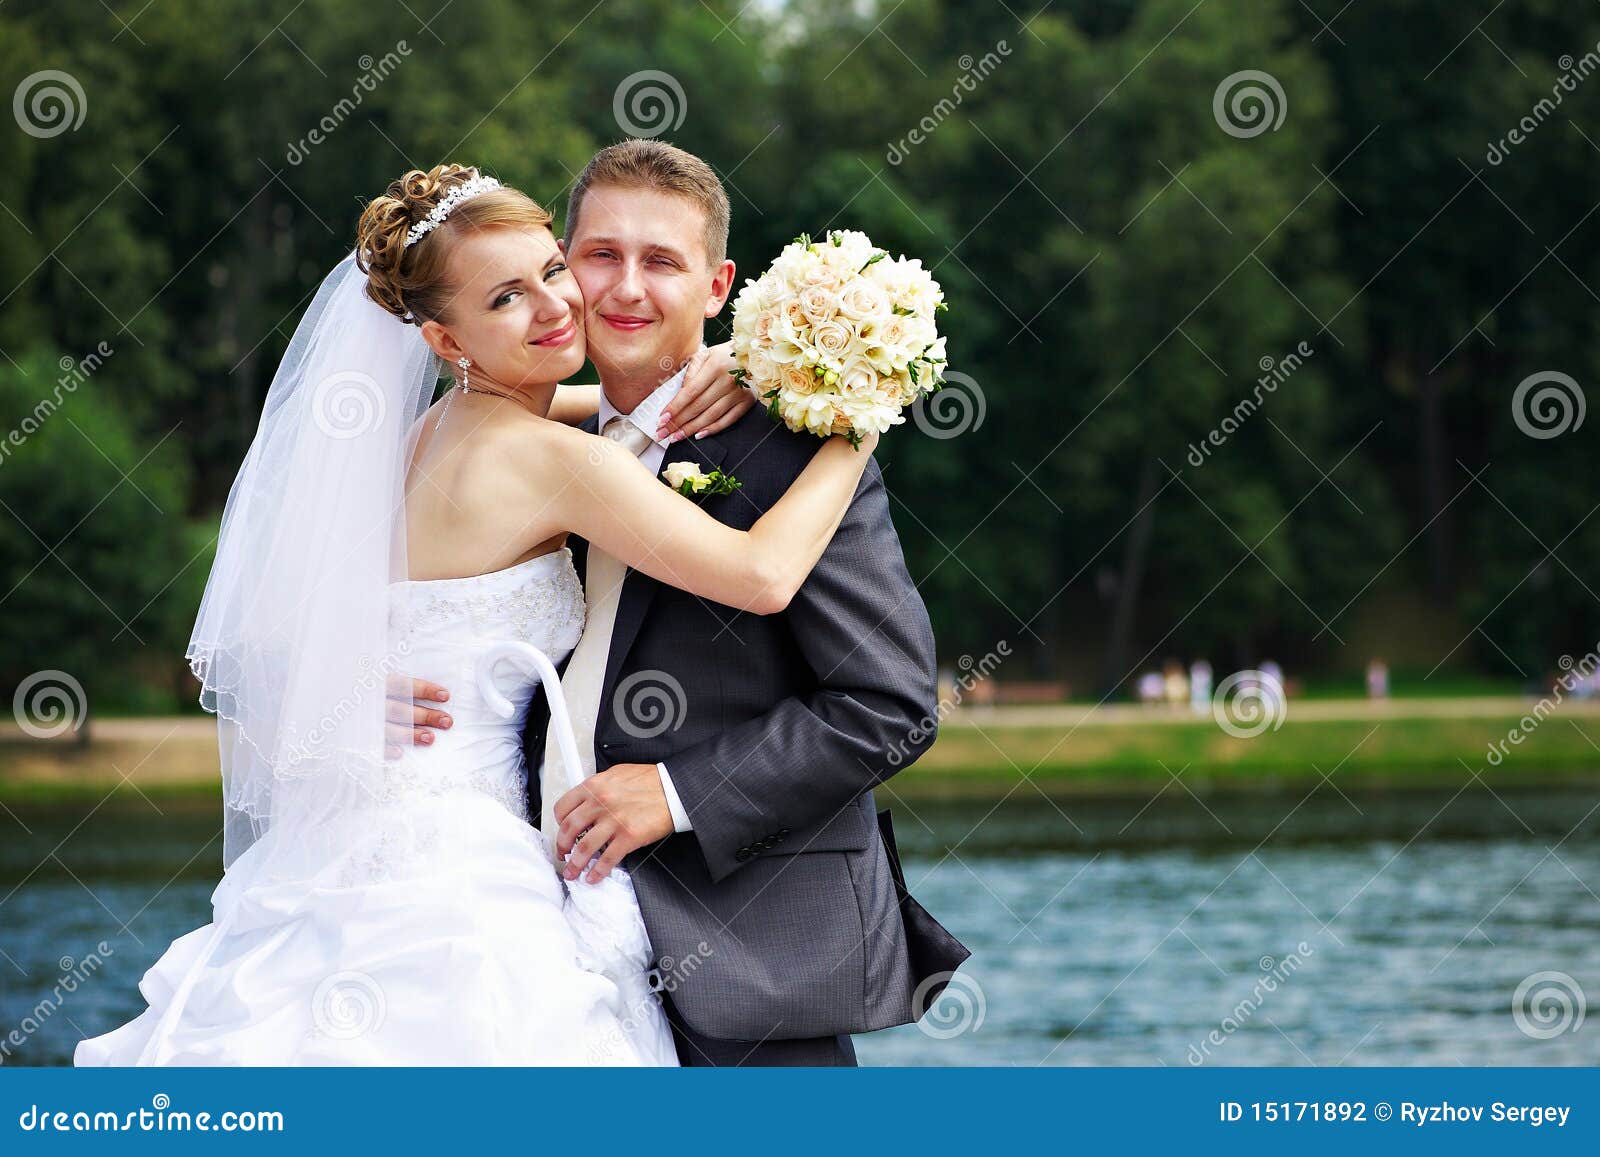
point(677, 473)
point(839, 336)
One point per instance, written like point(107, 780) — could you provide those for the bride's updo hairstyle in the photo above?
point(411, 282)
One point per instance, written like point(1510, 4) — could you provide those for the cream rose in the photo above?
point(862, 300)
point(819, 303)
point(833, 339)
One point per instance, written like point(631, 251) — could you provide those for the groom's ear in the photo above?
point(721, 286)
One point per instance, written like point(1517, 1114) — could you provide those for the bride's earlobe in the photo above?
point(440, 341)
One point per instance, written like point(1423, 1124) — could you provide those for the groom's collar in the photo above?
point(647, 413)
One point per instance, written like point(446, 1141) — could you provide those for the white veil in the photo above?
point(295, 639)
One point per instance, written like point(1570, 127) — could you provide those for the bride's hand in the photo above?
point(710, 399)
point(409, 724)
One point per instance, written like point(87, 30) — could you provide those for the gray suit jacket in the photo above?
point(783, 913)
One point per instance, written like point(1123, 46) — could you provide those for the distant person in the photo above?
point(1176, 683)
point(1377, 679)
point(1272, 682)
point(1200, 687)
point(1151, 688)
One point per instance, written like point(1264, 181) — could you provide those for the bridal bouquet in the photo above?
point(838, 336)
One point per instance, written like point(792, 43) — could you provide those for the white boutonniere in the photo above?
point(692, 482)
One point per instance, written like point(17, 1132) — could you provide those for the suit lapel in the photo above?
point(639, 590)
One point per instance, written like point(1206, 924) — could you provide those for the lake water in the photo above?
point(1272, 929)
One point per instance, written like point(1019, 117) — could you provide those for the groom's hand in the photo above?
point(618, 810)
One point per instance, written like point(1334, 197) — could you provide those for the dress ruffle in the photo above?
point(406, 961)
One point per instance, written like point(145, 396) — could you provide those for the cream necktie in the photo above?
point(584, 678)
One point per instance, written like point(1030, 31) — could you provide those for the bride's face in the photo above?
point(516, 311)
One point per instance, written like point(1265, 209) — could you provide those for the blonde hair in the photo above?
point(650, 164)
point(413, 281)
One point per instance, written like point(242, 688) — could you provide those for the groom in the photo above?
point(736, 752)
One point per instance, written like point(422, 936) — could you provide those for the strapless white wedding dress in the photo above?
point(442, 933)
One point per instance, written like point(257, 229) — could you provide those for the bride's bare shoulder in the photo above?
point(532, 448)
point(464, 442)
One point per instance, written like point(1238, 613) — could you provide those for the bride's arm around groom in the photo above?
point(861, 677)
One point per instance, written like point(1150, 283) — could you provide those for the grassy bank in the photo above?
point(1061, 750)
point(1395, 751)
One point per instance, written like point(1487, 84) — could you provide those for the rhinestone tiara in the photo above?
point(436, 216)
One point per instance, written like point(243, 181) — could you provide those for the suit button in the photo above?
point(742, 855)
point(783, 832)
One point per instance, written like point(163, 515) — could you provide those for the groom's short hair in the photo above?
point(651, 164)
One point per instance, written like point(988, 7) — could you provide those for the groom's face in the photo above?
point(648, 285)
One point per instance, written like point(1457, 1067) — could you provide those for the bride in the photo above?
point(405, 911)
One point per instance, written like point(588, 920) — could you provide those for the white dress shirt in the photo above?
point(645, 416)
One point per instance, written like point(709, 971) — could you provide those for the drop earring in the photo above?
point(465, 363)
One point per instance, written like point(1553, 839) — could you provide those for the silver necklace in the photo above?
point(465, 363)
